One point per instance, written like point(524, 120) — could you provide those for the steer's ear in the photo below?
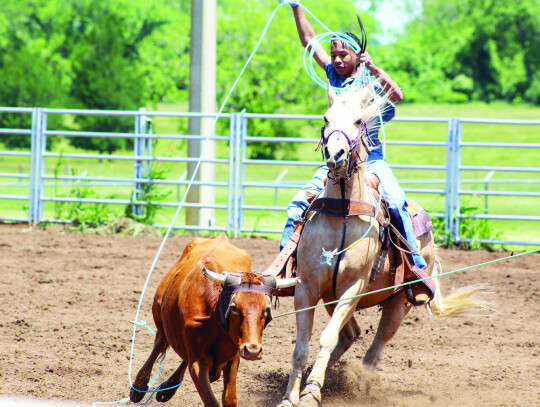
point(215, 277)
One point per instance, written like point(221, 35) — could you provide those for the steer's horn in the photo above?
point(215, 277)
point(287, 282)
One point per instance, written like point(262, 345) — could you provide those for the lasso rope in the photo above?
point(317, 42)
point(180, 206)
point(150, 383)
point(407, 283)
point(323, 38)
point(366, 77)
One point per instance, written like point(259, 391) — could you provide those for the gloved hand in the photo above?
point(294, 3)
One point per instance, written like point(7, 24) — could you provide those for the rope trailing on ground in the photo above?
point(180, 206)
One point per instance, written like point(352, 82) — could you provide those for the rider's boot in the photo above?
point(422, 292)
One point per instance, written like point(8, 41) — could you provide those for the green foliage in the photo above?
point(441, 237)
point(106, 69)
point(82, 213)
point(493, 43)
point(90, 54)
point(151, 197)
point(475, 229)
point(469, 228)
point(127, 54)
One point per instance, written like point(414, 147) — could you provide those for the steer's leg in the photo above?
point(393, 313)
point(311, 396)
point(140, 384)
point(304, 325)
point(199, 370)
point(230, 372)
point(171, 384)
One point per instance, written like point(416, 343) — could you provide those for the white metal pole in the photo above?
point(202, 98)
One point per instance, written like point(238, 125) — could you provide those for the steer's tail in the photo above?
point(463, 301)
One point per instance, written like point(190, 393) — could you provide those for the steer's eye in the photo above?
point(358, 122)
point(233, 307)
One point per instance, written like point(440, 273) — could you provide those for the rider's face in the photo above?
point(343, 58)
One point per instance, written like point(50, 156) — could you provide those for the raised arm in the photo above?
point(387, 83)
point(306, 34)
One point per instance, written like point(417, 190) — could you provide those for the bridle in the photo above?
point(352, 167)
point(362, 136)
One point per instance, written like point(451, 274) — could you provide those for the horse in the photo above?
point(352, 112)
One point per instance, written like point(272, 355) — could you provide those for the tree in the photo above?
point(107, 72)
point(492, 44)
point(31, 74)
point(91, 54)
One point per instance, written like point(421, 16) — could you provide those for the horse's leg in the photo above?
point(304, 326)
point(350, 332)
point(140, 385)
point(171, 384)
point(230, 372)
point(311, 396)
point(393, 313)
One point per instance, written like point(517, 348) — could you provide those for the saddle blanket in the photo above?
point(420, 218)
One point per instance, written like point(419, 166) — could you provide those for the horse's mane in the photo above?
point(372, 103)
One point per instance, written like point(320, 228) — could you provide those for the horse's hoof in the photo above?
point(136, 395)
point(311, 396)
point(286, 403)
point(165, 395)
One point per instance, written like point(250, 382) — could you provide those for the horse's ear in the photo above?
point(331, 93)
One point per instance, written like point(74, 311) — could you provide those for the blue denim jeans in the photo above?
point(299, 203)
point(389, 188)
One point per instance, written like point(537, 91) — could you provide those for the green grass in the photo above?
point(395, 155)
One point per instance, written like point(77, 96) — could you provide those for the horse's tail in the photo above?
point(463, 301)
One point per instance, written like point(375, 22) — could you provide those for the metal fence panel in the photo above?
point(41, 184)
point(17, 179)
point(515, 197)
point(271, 206)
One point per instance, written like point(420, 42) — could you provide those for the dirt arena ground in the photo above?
point(67, 300)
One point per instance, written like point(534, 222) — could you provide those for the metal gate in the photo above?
point(249, 204)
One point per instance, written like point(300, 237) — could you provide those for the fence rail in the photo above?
point(39, 185)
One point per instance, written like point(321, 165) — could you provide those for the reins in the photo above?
point(343, 236)
point(352, 167)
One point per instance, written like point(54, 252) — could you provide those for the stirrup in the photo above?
point(422, 292)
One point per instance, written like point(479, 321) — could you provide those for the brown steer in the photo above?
point(210, 318)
